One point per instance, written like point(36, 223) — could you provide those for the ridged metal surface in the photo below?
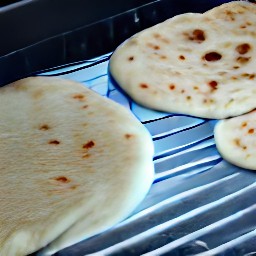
point(198, 204)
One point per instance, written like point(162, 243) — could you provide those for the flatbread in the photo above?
point(196, 64)
point(236, 140)
point(67, 155)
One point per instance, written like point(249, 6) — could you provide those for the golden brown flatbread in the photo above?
point(67, 155)
point(196, 64)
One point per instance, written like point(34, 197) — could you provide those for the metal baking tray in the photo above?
point(198, 204)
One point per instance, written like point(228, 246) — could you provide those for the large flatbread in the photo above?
point(197, 64)
point(236, 140)
point(67, 155)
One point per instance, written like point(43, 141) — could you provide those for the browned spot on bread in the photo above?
point(89, 144)
point(79, 97)
point(87, 155)
point(172, 86)
point(44, 127)
point(156, 35)
point(144, 86)
point(37, 94)
point(236, 67)
point(189, 97)
point(243, 48)
point(252, 76)
point(161, 38)
point(62, 179)
point(243, 26)
point(243, 60)
point(237, 142)
point(181, 57)
point(131, 58)
point(230, 15)
point(153, 46)
point(244, 124)
point(182, 91)
point(251, 131)
point(213, 84)
point(54, 142)
point(195, 87)
point(128, 136)
point(85, 106)
point(196, 35)
point(199, 35)
point(163, 57)
point(212, 56)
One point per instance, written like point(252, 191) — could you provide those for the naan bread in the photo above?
point(197, 64)
point(67, 156)
point(236, 140)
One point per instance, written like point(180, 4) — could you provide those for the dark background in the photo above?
point(26, 22)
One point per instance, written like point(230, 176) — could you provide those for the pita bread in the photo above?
point(236, 140)
point(195, 64)
point(67, 155)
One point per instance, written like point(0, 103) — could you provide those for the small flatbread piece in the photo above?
point(67, 154)
point(236, 140)
point(196, 64)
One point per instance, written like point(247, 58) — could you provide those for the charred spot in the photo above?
point(172, 86)
point(189, 97)
point(54, 142)
point(197, 35)
point(243, 60)
point(236, 67)
point(131, 58)
point(182, 57)
point(213, 84)
point(79, 97)
point(243, 26)
point(212, 56)
point(62, 179)
point(243, 48)
point(144, 86)
point(251, 131)
point(245, 75)
point(252, 76)
point(44, 127)
point(89, 144)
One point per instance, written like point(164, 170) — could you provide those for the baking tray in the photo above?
point(198, 204)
